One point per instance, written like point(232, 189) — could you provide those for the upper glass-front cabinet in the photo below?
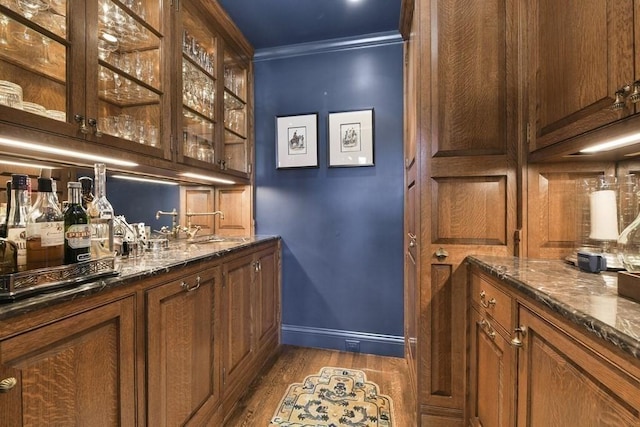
point(96, 65)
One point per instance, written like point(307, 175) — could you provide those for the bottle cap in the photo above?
point(19, 181)
point(45, 185)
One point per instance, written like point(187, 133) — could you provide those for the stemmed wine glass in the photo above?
point(29, 9)
point(5, 43)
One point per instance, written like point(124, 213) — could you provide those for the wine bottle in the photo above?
point(45, 229)
point(17, 221)
point(5, 218)
point(77, 232)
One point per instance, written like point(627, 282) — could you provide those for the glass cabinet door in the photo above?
point(34, 45)
point(130, 71)
point(199, 53)
point(235, 146)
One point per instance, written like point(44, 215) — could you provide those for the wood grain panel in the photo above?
point(577, 68)
point(471, 102)
point(586, 389)
point(552, 206)
point(235, 202)
point(268, 297)
point(197, 199)
point(469, 210)
point(441, 333)
point(77, 371)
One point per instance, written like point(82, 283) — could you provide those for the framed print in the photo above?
point(297, 141)
point(351, 138)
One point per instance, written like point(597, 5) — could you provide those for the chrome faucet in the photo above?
point(175, 229)
point(192, 234)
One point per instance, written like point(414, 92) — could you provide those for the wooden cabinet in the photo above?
point(530, 367)
point(576, 71)
point(491, 381)
point(216, 95)
point(93, 76)
point(562, 380)
point(461, 195)
point(250, 306)
point(77, 370)
point(182, 375)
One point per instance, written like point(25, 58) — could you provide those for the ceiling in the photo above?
point(273, 23)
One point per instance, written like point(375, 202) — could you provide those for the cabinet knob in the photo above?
point(94, 124)
point(521, 332)
point(486, 326)
point(7, 384)
point(412, 240)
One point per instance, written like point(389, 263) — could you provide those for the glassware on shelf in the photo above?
point(34, 108)
point(30, 8)
point(11, 94)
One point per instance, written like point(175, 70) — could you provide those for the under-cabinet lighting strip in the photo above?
point(612, 144)
point(149, 180)
point(64, 152)
point(207, 178)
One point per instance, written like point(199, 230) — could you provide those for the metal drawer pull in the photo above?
point(186, 286)
point(521, 332)
point(486, 326)
point(490, 303)
point(7, 384)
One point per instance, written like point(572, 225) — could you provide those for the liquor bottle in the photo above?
point(17, 221)
point(45, 229)
point(101, 216)
point(77, 232)
point(5, 217)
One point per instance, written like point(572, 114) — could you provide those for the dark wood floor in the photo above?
point(295, 363)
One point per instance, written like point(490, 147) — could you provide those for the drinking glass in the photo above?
point(126, 126)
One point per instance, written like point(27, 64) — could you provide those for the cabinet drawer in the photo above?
point(492, 301)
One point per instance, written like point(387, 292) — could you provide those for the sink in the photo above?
point(216, 239)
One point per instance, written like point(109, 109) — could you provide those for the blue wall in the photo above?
point(342, 228)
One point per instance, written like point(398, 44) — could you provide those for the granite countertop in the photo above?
point(178, 255)
point(589, 300)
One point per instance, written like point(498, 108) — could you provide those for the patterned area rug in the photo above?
point(333, 398)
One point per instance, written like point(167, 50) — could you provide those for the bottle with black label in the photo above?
point(45, 229)
point(5, 217)
point(17, 221)
point(77, 233)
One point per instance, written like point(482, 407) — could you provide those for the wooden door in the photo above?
point(491, 379)
point(238, 319)
point(182, 365)
point(267, 289)
point(468, 196)
point(197, 200)
point(580, 53)
point(76, 371)
point(236, 203)
point(562, 382)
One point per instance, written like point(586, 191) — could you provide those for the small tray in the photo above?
point(16, 285)
point(629, 285)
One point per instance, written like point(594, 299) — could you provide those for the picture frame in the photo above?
point(297, 141)
point(351, 138)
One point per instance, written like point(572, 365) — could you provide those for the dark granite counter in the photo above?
point(588, 300)
point(179, 255)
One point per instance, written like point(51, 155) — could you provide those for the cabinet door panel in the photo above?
point(563, 383)
point(76, 371)
point(237, 296)
point(181, 366)
point(268, 297)
point(491, 381)
point(578, 67)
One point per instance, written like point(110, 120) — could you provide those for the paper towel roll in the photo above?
point(604, 215)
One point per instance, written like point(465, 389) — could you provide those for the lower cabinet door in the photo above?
point(182, 374)
point(492, 370)
point(267, 297)
point(78, 371)
point(562, 382)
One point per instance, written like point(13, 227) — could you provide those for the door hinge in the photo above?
point(250, 168)
point(517, 236)
point(224, 375)
point(528, 133)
